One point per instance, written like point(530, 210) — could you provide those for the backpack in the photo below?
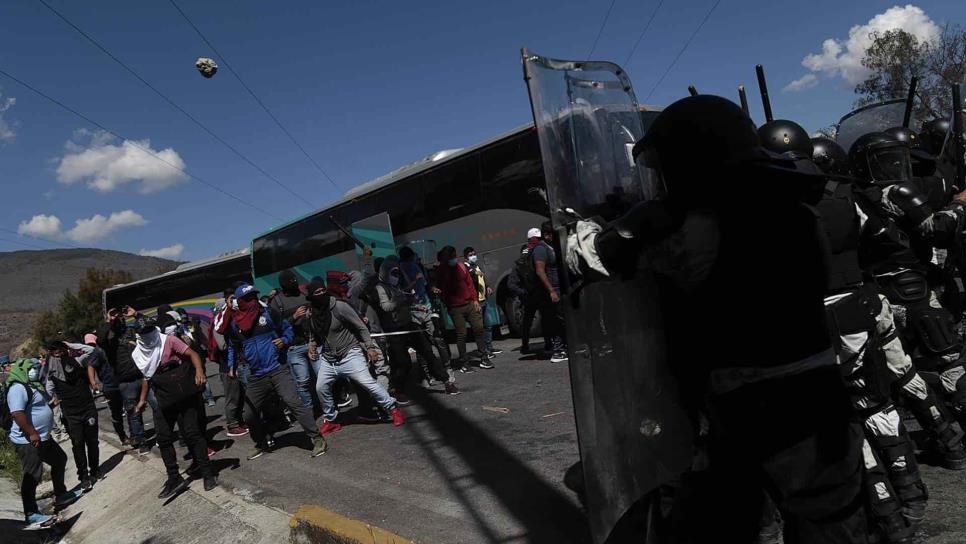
point(525, 271)
point(6, 418)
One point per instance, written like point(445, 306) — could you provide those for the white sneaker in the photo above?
point(559, 357)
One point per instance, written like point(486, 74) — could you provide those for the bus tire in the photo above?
point(512, 308)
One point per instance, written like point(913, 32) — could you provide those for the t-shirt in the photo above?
point(39, 415)
point(545, 253)
point(174, 348)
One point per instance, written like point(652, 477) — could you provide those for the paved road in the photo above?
point(457, 473)
point(454, 473)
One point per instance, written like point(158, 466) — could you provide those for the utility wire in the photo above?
point(173, 103)
point(599, 32)
point(643, 32)
point(24, 244)
point(51, 242)
point(683, 49)
point(224, 61)
point(137, 145)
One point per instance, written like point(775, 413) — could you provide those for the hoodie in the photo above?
point(394, 304)
point(256, 345)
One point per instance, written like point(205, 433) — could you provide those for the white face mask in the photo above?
point(171, 329)
point(472, 259)
point(33, 374)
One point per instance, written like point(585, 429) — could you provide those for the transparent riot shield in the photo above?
point(871, 118)
point(376, 233)
point(633, 433)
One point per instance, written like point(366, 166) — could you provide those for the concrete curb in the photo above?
point(313, 524)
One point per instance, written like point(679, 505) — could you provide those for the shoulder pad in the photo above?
point(913, 203)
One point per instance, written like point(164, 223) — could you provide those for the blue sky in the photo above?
point(364, 86)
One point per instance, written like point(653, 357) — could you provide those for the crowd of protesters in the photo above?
point(289, 356)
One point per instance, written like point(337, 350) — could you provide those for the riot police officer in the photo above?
point(898, 218)
point(761, 364)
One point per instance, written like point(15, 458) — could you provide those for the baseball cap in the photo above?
point(244, 289)
point(90, 338)
point(534, 233)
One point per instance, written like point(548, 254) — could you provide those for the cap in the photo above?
point(90, 338)
point(244, 289)
point(534, 233)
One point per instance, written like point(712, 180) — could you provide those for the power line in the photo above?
point(51, 242)
point(137, 145)
point(683, 49)
point(643, 32)
point(24, 244)
point(224, 61)
point(173, 104)
point(599, 32)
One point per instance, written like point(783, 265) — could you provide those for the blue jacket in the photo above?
point(258, 350)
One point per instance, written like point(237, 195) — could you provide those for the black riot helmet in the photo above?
point(786, 138)
point(693, 142)
point(830, 157)
point(880, 159)
point(904, 134)
point(933, 134)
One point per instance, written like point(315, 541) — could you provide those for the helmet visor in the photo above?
point(890, 164)
point(650, 168)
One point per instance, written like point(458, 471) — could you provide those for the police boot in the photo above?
point(898, 455)
point(949, 445)
point(889, 525)
point(944, 433)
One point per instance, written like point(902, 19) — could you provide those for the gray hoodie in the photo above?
point(394, 303)
point(346, 331)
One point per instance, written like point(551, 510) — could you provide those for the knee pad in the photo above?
point(898, 455)
point(953, 382)
point(935, 330)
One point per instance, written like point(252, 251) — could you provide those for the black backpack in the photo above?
point(525, 270)
point(6, 418)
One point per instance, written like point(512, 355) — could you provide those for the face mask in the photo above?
point(394, 280)
point(33, 374)
point(234, 304)
point(472, 259)
point(451, 262)
point(171, 329)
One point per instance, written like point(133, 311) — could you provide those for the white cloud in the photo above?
point(805, 82)
point(87, 230)
point(7, 133)
point(96, 158)
point(843, 58)
point(170, 252)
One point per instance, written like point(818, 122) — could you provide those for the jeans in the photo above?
point(462, 314)
point(186, 415)
point(32, 461)
point(83, 439)
point(355, 367)
point(116, 405)
point(234, 399)
point(131, 393)
point(298, 362)
point(261, 388)
point(487, 327)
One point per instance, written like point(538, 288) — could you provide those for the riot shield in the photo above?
point(871, 118)
point(633, 433)
point(374, 232)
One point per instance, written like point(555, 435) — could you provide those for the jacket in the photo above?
point(346, 331)
point(457, 285)
point(256, 345)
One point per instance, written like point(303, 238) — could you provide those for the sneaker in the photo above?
point(559, 357)
point(466, 370)
point(37, 521)
point(495, 351)
point(237, 431)
point(452, 389)
point(329, 427)
point(402, 399)
point(270, 441)
point(192, 469)
point(129, 442)
point(96, 476)
point(319, 446)
point(485, 364)
point(256, 453)
point(210, 482)
point(211, 451)
point(347, 400)
point(67, 498)
point(87, 485)
point(172, 487)
point(210, 403)
point(398, 419)
point(144, 448)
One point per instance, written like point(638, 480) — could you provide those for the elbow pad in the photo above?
point(911, 202)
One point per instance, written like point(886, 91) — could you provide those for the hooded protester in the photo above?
point(259, 336)
point(459, 290)
point(395, 314)
point(347, 350)
point(109, 387)
point(289, 302)
point(175, 373)
point(30, 436)
point(70, 379)
point(232, 385)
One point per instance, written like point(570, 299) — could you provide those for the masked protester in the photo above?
point(898, 219)
point(259, 335)
point(395, 315)
point(483, 292)
point(176, 375)
point(30, 436)
point(70, 380)
point(108, 386)
point(289, 302)
point(346, 351)
point(458, 289)
point(230, 382)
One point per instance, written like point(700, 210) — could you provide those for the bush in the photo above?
point(9, 462)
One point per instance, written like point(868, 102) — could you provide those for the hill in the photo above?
point(31, 281)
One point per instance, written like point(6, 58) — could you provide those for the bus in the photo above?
point(193, 286)
point(486, 196)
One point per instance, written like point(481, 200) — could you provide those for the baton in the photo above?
point(910, 99)
point(763, 89)
point(744, 100)
point(348, 234)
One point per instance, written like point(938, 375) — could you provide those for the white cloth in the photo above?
point(147, 353)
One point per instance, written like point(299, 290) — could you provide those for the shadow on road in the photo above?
point(546, 514)
point(15, 532)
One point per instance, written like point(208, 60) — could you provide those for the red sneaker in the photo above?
point(397, 417)
point(452, 389)
point(211, 451)
point(329, 427)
